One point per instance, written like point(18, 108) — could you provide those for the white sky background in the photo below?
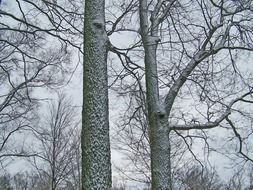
point(117, 106)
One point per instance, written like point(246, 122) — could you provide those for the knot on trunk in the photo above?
point(160, 111)
point(99, 24)
point(161, 114)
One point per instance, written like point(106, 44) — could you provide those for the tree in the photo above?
point(132, 140)
point(57, 145)
point(198, 178)
point(193, 50)
point(60, 23)
point(29, 64)
point(218, 34)
point(193, 54)
point(5, 182)
point(25, 181)
point(96, 159)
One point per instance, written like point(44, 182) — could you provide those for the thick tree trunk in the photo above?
point(96, 161)
point(160, 153)
point(157, 117)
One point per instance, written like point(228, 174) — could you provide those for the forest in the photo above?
point(126, 95)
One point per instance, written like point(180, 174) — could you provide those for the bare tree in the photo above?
point(57, 144)
point(195, 177)
point(132, 140)
point(61, 24)
point(218, 34)
point(5, 182)
point(193, 55)
point(29, 62)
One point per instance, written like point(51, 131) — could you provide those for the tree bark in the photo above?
point(96, 161)
point(157, 116)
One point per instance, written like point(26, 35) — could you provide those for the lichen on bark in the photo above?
point(96, 160)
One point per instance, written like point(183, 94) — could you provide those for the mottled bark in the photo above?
point(157, 116)
point(96, 164)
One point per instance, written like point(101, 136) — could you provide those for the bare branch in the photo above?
point(210, 125)
point(239, 138)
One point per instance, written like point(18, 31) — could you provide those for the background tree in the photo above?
point(35, 37)
point(198, 178)
point(57, 144)
point(5, 182)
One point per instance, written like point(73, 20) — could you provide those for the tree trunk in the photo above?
point(96, 161)
point(157, 117)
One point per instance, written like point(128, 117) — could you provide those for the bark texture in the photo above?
point(96, 161)
point(157, 116)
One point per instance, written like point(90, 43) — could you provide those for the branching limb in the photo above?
point(215, 123)
point(239, 138)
